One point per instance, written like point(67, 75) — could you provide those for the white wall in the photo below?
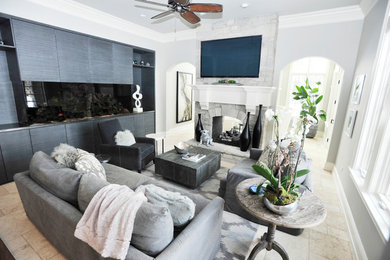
point(171, 89)
point(338, 42)
point(373, 244)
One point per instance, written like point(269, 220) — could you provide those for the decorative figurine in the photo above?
point(137, 97)
point(205, 138)
point(135, 62)
point(142, 62)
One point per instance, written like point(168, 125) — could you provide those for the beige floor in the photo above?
point(329, 240)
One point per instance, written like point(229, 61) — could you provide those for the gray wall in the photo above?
point(338, 42)
point(7, 103)
point(369, 235)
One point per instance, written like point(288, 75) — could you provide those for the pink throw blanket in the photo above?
point(107, 223)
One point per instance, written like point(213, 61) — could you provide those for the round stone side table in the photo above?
point(310, 212)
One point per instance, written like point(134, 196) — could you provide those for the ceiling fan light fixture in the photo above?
point(244, 5)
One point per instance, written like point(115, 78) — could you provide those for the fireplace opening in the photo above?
point(226, 130)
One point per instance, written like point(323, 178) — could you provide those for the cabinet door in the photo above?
point(37, 52)
point(46, 138)
point(100, 61)
point(3, 173)
point(16, 150)
point(149, 123)
point(139, 124)
point(122, 64)
point(81, 135)
point(72, 56)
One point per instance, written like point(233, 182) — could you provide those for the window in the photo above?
point(371, 170)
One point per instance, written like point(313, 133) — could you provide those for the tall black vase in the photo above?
point(245, 137)
point(198, 128)
point(257, 130)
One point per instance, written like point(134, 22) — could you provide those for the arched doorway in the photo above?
point(316, 69)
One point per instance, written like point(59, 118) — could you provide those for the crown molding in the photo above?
point(367, 5)
point(80, 10)
point(328, 16)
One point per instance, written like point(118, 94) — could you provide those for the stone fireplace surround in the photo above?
point(231, 100)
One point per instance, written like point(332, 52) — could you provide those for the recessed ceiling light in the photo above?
point(143, 15)
point(244, 5)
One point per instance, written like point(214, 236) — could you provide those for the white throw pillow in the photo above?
point(125, 138)
point(181, 207)
point(87, 163)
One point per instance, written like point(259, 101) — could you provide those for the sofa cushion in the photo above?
point(119, 175)
point(145, 149)
point(58, 180)
point(153, 225)
point(108, 130)
point(87, 163)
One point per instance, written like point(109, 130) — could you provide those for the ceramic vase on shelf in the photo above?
point(198, 128)
point(257, 130)
point(245, 137)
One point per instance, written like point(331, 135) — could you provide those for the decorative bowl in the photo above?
point(181, 148)
point(281, 210)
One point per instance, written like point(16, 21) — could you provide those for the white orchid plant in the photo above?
point(282, 172)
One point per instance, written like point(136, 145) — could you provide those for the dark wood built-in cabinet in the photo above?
point(18, 145)
point(41, 53)
point(37, 51)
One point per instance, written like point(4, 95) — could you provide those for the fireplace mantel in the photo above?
point(249, 96)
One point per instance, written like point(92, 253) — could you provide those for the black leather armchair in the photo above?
point(133, 157)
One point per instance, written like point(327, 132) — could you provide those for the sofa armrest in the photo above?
point(145, 140)
point(201, 238)
point(254, 153)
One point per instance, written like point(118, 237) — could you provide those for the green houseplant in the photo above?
point(310, 99)
point(280, 188)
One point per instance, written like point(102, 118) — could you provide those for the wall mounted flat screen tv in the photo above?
point(235, 57)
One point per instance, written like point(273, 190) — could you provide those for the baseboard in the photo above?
point(357, 245)
point(328, 166)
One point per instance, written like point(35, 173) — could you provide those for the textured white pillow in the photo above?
point(65, 155)
point(87, 163)
point(181, 207)
point(125, 138)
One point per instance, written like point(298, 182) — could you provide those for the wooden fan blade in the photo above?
point(163, 14)
point(153, 3)
point(190, 17)
point(182, 2)
point(206, 8)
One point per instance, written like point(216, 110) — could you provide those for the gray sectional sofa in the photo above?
point(51, 195)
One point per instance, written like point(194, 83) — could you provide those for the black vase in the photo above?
point(257, 130)
point(198, 128)
point(245, 137)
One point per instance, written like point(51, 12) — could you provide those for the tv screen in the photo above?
point(235, 57)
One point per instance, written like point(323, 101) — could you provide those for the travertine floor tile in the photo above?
point(3, 191)
point(21, 249)
point(39, 243)
point(58, 257)
point(15, 225)
point(10, 203)
point(11, 187)
point(329, 247)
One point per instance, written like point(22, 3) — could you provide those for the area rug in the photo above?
point(237, 233)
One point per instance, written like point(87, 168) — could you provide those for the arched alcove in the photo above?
point(315, 69)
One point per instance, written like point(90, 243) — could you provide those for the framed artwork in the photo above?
point(358, 88)
point(351, 118)
point(183, 97)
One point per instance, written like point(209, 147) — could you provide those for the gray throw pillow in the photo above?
point(61, 181)
point(153, 225)
point(181, 207)
point(65, 155)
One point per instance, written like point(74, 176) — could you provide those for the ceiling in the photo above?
point(140, 13)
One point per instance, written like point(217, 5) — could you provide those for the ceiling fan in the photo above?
point(185, 9)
